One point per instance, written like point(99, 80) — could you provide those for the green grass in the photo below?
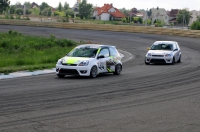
point(20, 52)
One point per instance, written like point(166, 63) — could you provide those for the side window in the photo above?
point(175, 46)
point(113, 52)
point(104, 52)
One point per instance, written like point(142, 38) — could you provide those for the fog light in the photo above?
point(57, 69)
point(84, 71)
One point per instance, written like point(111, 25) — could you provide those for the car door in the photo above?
point(103, 57)
point(113, 59)
point(176, 52)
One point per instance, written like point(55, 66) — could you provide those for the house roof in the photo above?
point(173, 12)
point(106, 8)
point(34, 5)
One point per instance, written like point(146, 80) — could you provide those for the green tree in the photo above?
point(60, 7)
point(183, 17)
point(66, 6)
point(28, 11)
point(47, 12)
point(124, 11)
point(85, 9)
point(195, 25)
point(12, 9)
point(36, 11)
point(27, 5)
point(19, 11)
point(135, 19)
point(149, 13)
point(140, 20)
point(3, 5)
point(70, 13)
point(198, 18)
point(43, 6)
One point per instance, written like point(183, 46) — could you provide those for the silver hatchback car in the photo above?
point(163, 52)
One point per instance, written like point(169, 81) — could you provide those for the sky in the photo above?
point(128, 4)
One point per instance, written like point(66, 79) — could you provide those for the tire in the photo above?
point(93, 72)
point(118, 69)
point(179, 59)
point(61, 76)
point(146, 63)
point(173, 61)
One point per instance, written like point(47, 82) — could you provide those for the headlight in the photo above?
point(84, 63)
point(149, 54)
point(168, 55)
point(59, 61)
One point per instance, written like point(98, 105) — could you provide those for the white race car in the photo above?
point(90, 60)
point(163, 52)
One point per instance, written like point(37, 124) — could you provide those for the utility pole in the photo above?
point(146, 16)
point(24, 10)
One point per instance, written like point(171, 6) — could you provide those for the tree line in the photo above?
point(84, 12)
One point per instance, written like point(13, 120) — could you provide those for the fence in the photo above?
point(104, 27)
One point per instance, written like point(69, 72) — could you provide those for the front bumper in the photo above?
point(72, 70)
point(159, 60)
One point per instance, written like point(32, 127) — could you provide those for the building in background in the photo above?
point(173, 16)
point(194, 15)
point(107, 13)
point(76, 6)
point(159, 14)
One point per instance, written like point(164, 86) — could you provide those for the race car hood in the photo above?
point(73, 60)
point(159, 52)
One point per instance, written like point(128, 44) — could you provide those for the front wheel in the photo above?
point(118, 69)
point(173, 61)
point(146, 63)
point(179, 59)
point(93, 72)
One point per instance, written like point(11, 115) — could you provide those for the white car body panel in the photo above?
point(70, 65)
point(162, 56)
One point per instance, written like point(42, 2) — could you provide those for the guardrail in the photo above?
point(105, 27)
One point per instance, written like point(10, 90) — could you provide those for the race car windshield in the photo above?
point(162, 47)
point(83, 52)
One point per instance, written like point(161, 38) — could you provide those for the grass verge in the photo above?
point(21, 52)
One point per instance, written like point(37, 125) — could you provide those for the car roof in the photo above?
point(96, 45)
point(165, 42)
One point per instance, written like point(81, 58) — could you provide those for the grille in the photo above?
point(68, 71)
point(157, 61)
point(158, 55)
point(65, 64)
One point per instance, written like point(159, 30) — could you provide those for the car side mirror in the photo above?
point(101, 56)
point(148, 48)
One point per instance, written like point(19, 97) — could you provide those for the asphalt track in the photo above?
point(154, 98)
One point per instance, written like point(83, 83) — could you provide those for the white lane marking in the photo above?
point(131, 56)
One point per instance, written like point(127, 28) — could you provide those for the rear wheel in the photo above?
point(118, 69)
point(93, 72)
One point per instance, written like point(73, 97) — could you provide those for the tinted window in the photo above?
point(83, 52)
point(104, 52)
point(162, 47)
